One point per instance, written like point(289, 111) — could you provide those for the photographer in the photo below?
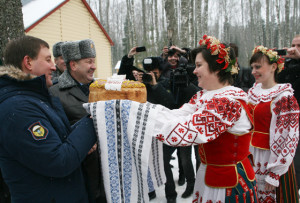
point(182, 87)
point(158, 92)
point(175, 68)
point(126, 66)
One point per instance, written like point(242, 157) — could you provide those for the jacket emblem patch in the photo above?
point(38, 131)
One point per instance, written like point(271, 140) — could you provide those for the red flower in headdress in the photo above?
point(281, 60)
point(216, 48)
point(220, 61)
point(222, 53)
point(213, 48)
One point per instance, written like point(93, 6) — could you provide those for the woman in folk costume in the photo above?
point(217, 119)
point(276, 129)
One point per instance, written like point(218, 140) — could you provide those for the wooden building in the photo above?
point(69, 20)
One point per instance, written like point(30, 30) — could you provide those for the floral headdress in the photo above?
point(273, 56)
point(217, 48)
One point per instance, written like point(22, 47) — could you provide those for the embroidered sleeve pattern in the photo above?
point(194, 99)
point(284, 136)
point(205, 125)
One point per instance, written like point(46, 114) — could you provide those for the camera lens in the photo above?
point(146, 78)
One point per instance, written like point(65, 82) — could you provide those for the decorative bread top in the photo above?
point(100, 83)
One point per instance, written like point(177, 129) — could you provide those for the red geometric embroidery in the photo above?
point(160, 137)
point(283, 161)
point(181, 133)
point(274, 176)
point(210, 123)
point(286, 104)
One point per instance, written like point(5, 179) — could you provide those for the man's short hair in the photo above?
point(17, 49)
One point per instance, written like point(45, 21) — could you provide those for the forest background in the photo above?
point(156, 23)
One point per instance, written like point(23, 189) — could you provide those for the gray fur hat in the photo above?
point(76, 50)
point(57, 49)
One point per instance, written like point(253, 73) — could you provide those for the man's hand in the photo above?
point(93, 149)
point(178, 49)
point(153, 82)
point(132, 52)
point(293, 53)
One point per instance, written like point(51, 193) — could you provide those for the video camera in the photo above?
point(182, 75)
point(179, 76)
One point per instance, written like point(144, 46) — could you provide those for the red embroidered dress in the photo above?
point(218, 122)
point(275, 136)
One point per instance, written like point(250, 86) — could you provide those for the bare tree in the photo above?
point(100, 11)
point(268, 43)
point(258, 25)
point(287, 23)
point(248, 23)
point(11, 22)
point(144, 14)
point(192, 23)
point(251, 34)
point(226, 23)
point(171, 21)
point(198, 23)
point(132, 17)
point(277, 4)
point(205, 18)
point(156, 23)
point(184, 30)
point(107, 16)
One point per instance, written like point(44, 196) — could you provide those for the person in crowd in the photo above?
point(276, 129)
point(173, 60)
point(164, 53)
point(73, 91)
point(73, 85)
point(183, 90)
point(40, 153)
point(126, 67)
point(217, 119)
point(291, 74)
point(60, 64)
point(158, 92)
point(244, 79)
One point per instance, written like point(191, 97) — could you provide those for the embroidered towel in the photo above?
point(131, 158)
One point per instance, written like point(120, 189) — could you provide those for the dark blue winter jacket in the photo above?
point(40, 154)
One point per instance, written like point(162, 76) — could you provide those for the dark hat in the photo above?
point(57, 49)
point(76, 50)
point(151, 63)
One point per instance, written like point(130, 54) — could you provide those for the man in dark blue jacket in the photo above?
point(40, 153)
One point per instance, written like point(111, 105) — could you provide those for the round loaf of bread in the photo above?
point(131, 90)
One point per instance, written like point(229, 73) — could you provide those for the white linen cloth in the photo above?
point(131, 158)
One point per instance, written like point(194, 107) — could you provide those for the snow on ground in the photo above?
point(160, 192)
